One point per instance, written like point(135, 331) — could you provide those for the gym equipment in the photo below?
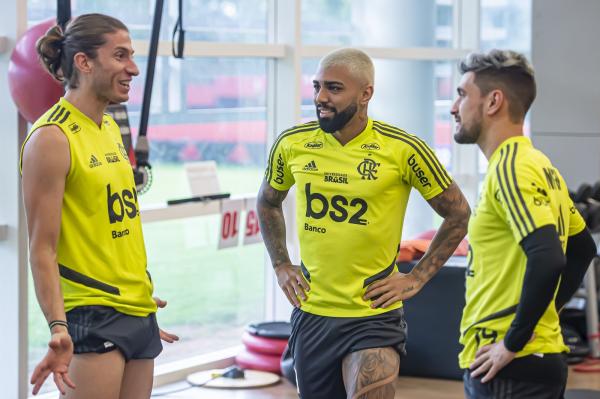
point(219, 379)
point(595, 194)
point(264, 345)
point(587, 201)
point(32, 89)
point(432, 351)
point(583, 192)
point(258, 361)
point(271, 329)
point(578, 349)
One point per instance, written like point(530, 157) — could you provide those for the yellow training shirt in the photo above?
point(521, 192)
point(351, 202)
point(101, 253)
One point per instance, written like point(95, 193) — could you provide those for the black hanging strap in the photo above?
point(63, 13)
point(178, 40)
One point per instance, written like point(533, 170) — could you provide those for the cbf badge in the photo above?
point(367, 169)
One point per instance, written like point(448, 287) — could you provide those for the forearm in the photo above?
point(545, 261)
point(272, 226)
point(581, 249)
point(443, 245)
point(46, 279)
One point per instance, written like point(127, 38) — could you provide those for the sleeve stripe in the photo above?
point(514, 200)
point(64, 118)
point(296, 129)
point(422, 150)
point(443, 185)
point(424, 147)
point(441, 171)
point(62, 110)
point(53, 113)
point(514, 182)
point(503, 157)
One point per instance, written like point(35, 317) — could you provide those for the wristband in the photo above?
point(54, 323)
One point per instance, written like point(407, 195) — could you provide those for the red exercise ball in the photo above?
point(33, 90)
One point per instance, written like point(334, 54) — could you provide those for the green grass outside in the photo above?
point(203, 286)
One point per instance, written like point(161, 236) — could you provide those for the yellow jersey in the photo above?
point(521, 192)
point(101, 253)
point(351, 201)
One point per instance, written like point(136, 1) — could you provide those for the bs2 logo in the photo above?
point(121, 204)
point(339, 207)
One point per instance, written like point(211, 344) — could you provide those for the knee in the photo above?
point(371, 373)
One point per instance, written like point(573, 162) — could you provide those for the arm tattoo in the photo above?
point(370, 373)
point(453, 207)
point(272, 223)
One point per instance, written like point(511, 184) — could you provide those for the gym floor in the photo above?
point(406, 388)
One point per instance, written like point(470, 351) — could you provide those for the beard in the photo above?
point(339, 119)
point(470, 135)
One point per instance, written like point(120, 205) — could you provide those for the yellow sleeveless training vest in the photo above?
point(101, 253)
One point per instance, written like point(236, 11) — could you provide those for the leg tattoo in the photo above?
point(370, 373)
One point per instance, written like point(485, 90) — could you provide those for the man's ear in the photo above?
point(366, 94)
point(82, 63)
point(494, 102)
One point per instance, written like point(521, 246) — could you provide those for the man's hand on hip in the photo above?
point(292, 282)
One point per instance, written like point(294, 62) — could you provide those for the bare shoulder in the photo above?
point(49, 136)
point(47, 150)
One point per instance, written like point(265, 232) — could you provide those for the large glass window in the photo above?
point(377, 23)
point(205, 109)
point(204, 20)
point(505, 24)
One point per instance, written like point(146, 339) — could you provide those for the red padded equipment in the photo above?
point(269, 346)
point(259, 361)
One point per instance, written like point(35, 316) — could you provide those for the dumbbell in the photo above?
point(587, 201)
point(595, 194)
point(583, 192)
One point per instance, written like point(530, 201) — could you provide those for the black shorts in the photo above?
point(101, 329)
point(525, 377)
point(319, 345)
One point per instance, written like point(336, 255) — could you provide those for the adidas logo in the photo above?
point(94, 161)
point(311, 167)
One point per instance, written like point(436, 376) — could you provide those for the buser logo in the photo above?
point(121, 204)
point(339, 205)
point(279, 171)
point(412, 162)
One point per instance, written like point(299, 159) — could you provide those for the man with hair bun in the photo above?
point(529, 246)
point(353, 177)
point(87, 253)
